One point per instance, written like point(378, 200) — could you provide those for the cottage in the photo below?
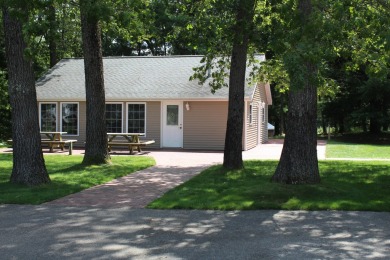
point(153, 96)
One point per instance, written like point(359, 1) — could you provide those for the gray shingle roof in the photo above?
point(130, 78)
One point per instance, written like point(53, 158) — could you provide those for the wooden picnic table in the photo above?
point(54, 136)
point(130, 140)
point(130, 137)
point(55, 140)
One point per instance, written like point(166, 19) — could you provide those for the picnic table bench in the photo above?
point(131, 141)
point(59, 144)
point(55, 144)
point(55, 141)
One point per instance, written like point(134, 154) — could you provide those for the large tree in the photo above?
point(28, 162)
point(232, 158)
point(96, 151)
point(230, 45)
point(309, 37)
point(299, 163)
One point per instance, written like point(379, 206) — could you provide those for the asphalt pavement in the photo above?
point(53, 232)
point(76, 228)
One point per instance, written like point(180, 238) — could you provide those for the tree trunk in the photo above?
point(341, 129)
point(139, 49)
point(96, 151)
point(324, 124)
point(299, 163)
point(233, 139)
point(364, 125)
point(375, 126)
point(52, 35)
point(28, 162)
point(282, 117)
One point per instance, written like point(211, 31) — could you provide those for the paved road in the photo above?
point(113, 225)
point(52, 232)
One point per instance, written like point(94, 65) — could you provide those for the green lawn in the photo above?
point(337, 149)
point(346, 185)
point(67, 175)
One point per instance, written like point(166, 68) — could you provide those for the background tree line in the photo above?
point(359, 102)
point(355, 94)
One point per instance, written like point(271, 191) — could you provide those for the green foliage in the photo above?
point(5, 109)
point(157, 25)
point(41, 27)
point(3, 64)
point(215, 70)
point(349, 45)
point(167, 29)
point(67, 176)
point(362, 101)
point(126, 27)
point(344, 186)
point(333, 28)
point(215, 25)
point(368, 38)
point(5, 112)
point(97, 10)
point(296, 41)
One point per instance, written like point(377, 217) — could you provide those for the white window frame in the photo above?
point(250, 113)
point(78, 117)
point(263, 112)
point(40, 111)
point(119, 103)
point(127, 114)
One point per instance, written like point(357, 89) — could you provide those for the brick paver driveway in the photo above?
point(173, 167)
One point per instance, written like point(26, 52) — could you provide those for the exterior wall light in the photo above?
point(188, 106)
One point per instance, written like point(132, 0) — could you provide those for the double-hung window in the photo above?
point(114, 118)
point(136, 118)
point(48, 117)
point(250, 113)
point(70, 118)
point(263, 114)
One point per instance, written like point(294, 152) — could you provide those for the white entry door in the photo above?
point(172, 124)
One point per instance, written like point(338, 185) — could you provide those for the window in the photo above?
point(136, 118)
point(263, 114)
point(48, 117)
point(114, 118)
point(172, 115)
point(70, 118)
point(250, 114)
